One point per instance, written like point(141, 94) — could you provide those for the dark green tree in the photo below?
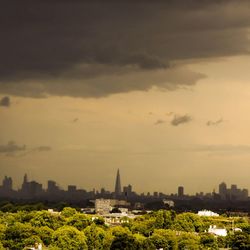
point(208, 241)
point(45, 233)
point(188, 222)
point(188, 241)
point(1, 246)
point(142, 242)
point(240, 240)
point(68, 212)
point(78, 220)
point(164, 238)
point(95, 236)
point(69, 238)
point(124, 241)
point(46, 218)
point(16, 235)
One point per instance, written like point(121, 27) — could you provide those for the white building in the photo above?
point(170, 203)
point(217, 231)
point(207, 213)
point(117, 218)
point(102, 206)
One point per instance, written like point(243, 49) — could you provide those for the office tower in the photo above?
point(34, 188)
point(71, 188)
point(7, 183)
point(25, 185)
point(52, 187)
point(223, 190)
point(127, 190)
point(180, 191)
point(118, 184)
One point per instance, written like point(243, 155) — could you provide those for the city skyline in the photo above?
point(159, 89)
point(118, 191)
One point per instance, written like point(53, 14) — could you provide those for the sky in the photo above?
point(158, 89)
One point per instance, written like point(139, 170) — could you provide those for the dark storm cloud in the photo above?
point(96, 48)
point(180, 119)
point(5, 101)
point(214, 123)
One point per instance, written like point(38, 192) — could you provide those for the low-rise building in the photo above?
point(207, 213)
point(217, 231)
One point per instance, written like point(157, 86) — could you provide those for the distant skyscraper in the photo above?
point(25, 179)
point(25, 184)
point(127, 191)
point(7, 183)
point(223, 190)
point(180, 191)
point(52, 187)
point(118, 189)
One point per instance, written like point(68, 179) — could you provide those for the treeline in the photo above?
point(74, 230)
point(24, 205)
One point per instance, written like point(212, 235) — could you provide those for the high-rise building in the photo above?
point(180, 191)
point(25, 184)
point(118, 190)
point(7, 183)
point(72, 188)
point(52, 187)
point(223, 190)
point(127, 191)
point(34, 188)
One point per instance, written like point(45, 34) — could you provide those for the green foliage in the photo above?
point(208, 241)
point(74, 230)
point(99, 221)
point(164, 238)
point(142, 242)
point(2, 231)
point(95, 236)
point(159, 219)
point(45, 218)
point(163, 219)
point(68, 212)
point(240, 240)
point(78, 220)
point(107, 241)
point(68, 238)
point(188, 241)
point(10, 219)
point(32, 240)
point(8, 207)
point(1, 246)
point(143, 225)
point(222, 241)
point(188, 222)
point(123, 240)
point(45, 233)
point(17, 234)
point(244, 226)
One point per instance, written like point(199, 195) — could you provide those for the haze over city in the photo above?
point(158, 89)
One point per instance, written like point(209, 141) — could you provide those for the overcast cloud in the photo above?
point(93, 49)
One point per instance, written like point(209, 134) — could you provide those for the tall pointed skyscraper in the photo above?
point(118, 189)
